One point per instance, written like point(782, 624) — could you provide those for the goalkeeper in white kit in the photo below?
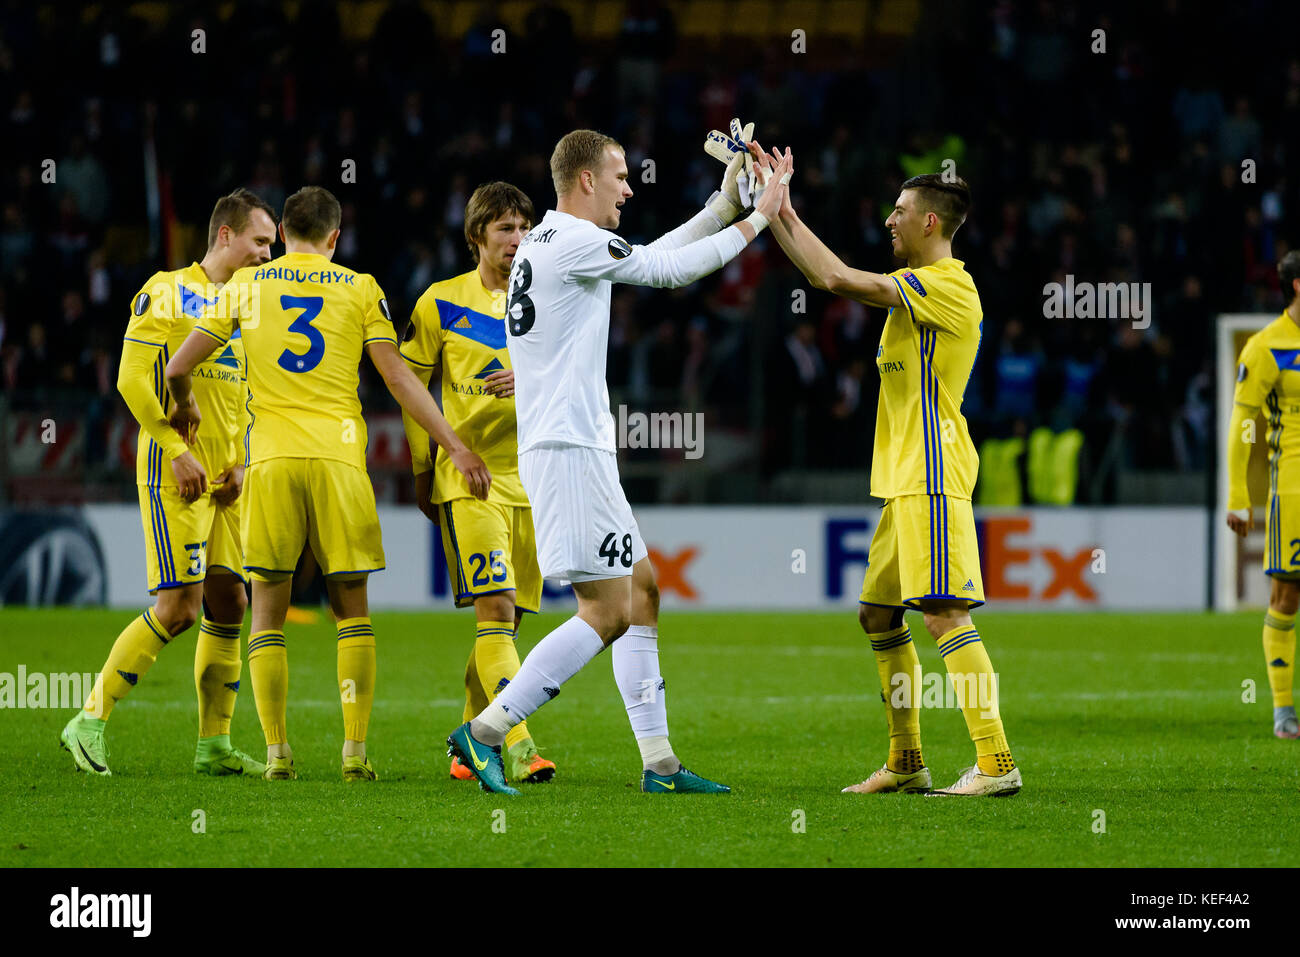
point(557, 320)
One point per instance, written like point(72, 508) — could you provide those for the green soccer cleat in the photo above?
point(279, 769)
point(357, 768)
point(682, 782)
point(527, 766)
point(216, 757)
point(83, 737)
point(483, 761)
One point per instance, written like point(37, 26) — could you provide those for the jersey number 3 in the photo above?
point(519, 308)
point(311, 306)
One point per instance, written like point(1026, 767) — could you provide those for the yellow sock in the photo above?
point(475, 699)
point(134, 652)
point(356, 675)
point(1279, 654)
point(268, 663)
point(900, 689)
point(216, 675)
point(972, 677)
point(496, 662)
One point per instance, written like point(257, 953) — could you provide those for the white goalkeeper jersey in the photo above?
point(557, 316)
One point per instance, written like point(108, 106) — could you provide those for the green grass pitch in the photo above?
point(1139, 717)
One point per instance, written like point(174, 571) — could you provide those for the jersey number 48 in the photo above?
point(519, 308)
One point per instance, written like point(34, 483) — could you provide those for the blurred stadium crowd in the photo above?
point(1115, 166)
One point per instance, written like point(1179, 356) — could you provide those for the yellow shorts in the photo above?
point(292, 502)
point(490, 548)
point(182, 540)
point(924, 547)
point(1282, 535)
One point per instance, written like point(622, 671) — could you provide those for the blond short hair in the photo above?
point(578, 151)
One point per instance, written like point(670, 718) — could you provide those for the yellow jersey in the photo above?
point(462, 323)
point(163, 314)
point(1268, 378)
point(305, 322)
point(926, 354)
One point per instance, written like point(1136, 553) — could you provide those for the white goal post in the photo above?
point(1238, 573)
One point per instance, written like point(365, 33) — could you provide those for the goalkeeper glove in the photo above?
point(737, 182)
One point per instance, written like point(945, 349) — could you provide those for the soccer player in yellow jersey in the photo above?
point(1268, 378)
point(191, 532)
point(924, 554)
point(305, 322)
point(460, 324)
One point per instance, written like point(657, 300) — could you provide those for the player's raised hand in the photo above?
point(500, 384)
point(191, 480)
point(424, 495)
point(787, 207)
point(774, 187)
point(185, 419)
point(227, 486)
point(475, 472)
point(1241, 521)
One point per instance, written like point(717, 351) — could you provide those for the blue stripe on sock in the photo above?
point(951, 648)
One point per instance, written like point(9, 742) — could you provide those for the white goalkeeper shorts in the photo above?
point(584, 525)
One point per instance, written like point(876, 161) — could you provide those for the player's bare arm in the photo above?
point(185, 416)
point(814, 258)
point(424, 495)
point(414, 397)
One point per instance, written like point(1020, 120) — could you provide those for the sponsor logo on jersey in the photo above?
point(969, 586)
point(915, 283)
point(1285, 358)
point(193, 303)
point(619, 249)
point(227, 358)
point(493, 366)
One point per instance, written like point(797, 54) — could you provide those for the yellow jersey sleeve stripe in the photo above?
point(417, 362)
point(391, 339)
point(207, 332)
point(907, 302)
point(143, 342)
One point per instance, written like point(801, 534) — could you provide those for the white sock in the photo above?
point(556, 658)
point(636, 671)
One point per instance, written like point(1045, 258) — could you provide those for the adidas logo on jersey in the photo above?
point(462, 323)
point(969, 586)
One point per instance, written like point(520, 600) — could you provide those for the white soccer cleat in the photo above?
point(886, 781)
point(975, 783)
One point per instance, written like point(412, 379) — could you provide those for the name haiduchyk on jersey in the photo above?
point(288, 274)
